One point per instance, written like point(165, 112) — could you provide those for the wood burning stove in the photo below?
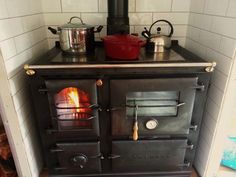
point(86, 112)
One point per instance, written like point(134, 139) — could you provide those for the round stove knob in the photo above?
point(79, 160)
point(152, 124)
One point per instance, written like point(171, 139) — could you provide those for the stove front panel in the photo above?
point(73, 106)
point(162, 106)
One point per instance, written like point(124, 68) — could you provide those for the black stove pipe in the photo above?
point(118, 20)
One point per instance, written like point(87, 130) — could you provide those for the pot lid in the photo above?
point(80, 25)
point(122, 39)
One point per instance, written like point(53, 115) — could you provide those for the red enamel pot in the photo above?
point(122, 46)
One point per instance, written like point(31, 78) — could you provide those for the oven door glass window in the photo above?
point(73, 108)
point(149, 104)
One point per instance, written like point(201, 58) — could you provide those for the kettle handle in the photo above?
point(77, 18)
point(171, 26)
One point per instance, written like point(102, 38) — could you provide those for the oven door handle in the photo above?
point(144, 106)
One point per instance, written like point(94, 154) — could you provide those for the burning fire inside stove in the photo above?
point(73, 104)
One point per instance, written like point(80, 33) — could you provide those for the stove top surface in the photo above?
point(176, 57)
point(100, 57)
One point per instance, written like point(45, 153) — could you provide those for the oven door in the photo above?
point(160, 106)
point(73, 106)
point(77, 158)
point(148, 155)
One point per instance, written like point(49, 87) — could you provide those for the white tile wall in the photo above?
point(181, 5)
point(141, 13)
point(3, 10)
point(80, 6)
point(211, 34)
point(216, 7)
point(22, 37)
point(153, 5)
point(51, 6)
point(231, 10)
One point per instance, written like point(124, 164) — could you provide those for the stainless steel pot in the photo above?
point(158, 42)
point(76, 38)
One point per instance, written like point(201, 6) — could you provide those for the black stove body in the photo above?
point(86, 108)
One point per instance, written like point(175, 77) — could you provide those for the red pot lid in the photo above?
point(122, 39)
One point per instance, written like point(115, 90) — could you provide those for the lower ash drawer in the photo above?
point(78, 158)
point(148, 155)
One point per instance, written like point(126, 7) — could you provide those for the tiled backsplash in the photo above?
point(22, 38)
point(142, 13)
point(211, 35)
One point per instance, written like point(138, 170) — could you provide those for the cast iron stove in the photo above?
point(101, 117)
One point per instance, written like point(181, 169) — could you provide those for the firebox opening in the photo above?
point(73, 108)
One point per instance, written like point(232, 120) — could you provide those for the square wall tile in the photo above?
point(153, 5)
point(228, 46)
point(37, 35)
point(231, 10)
point(173, 18)
point(201, 21)
point(180, 30)
point(18, 82)
point(209, 39)
point(22, 42)
point(18, 7)
point(103, 5)
point(3, 9)
point(181, 5)
point(58, 19)
point(216, 7)
point(94, 18)
point(140, 18)
point(193, 33)
point(51, 5)
point(35, 6)
point(79, 5)
point(225, 26)
point(8, 28)
point(8, 48)
point(32, 22)
point(197, 6)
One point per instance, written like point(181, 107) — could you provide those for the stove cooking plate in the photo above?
point(99, 57)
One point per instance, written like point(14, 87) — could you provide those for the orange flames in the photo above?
point(74, 98)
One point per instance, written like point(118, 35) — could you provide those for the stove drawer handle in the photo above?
point(56, 150)
point(187, 164)
point(113, 156)
point(60, 168)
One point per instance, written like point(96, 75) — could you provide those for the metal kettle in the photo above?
point(158, 42)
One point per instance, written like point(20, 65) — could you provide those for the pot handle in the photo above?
point(171, 26)
point(53, 31)
point(98, 29)
point(77, 18)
